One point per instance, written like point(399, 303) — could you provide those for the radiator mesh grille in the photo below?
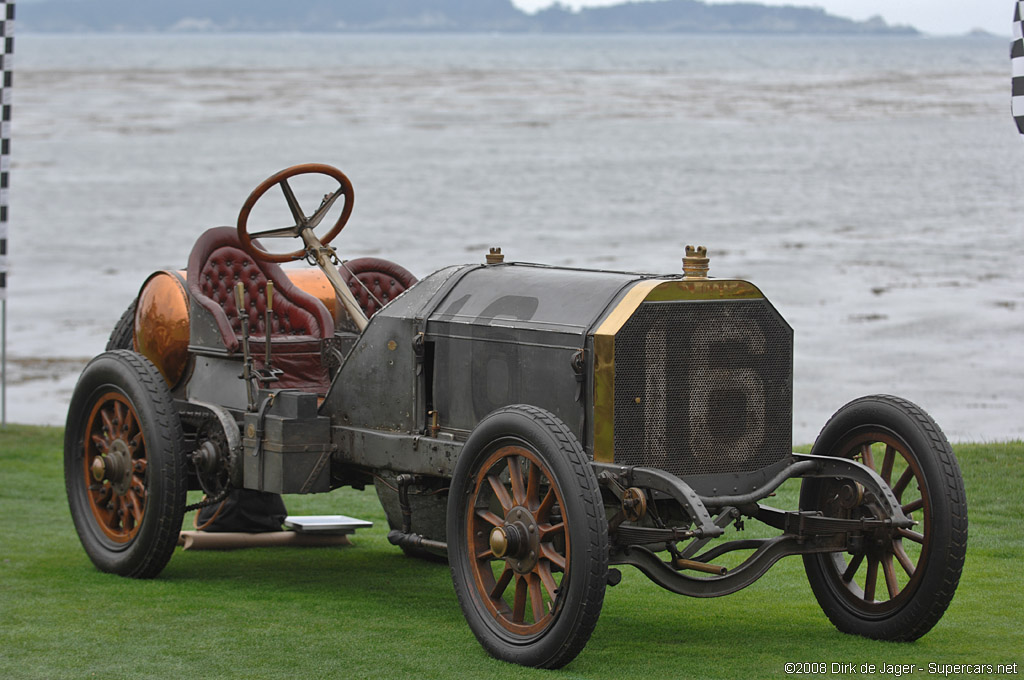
point(703, 387)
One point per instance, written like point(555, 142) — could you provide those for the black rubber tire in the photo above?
point(143, 546)
point(123, 334)
point(573, 615)
point(928, 460)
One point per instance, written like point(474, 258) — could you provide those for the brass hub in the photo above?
point(518, 540)
point(99, 469)
point(505, 541)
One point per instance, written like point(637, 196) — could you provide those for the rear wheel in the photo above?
point(896, 583)
point(527, 538)
point(124, 465)
point(124, 329)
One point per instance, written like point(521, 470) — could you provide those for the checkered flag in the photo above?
point(7, 35)
point(1017, 60)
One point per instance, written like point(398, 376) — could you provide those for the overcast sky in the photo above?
point(939, 17)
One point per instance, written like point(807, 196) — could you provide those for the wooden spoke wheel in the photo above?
point(527, 538)
point(519, 550)
point(892, 583)
point(124, 465)
point(115, 467)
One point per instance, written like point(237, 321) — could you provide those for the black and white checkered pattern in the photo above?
point(7, 35)
point(1017, 60)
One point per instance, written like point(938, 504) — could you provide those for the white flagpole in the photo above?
point(6, 68)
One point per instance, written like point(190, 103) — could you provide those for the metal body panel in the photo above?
point(379, 384)
point(399, 452)
point(475, 377)
point(558, 302)
point(376, 386)
point(204, 334)
point(516, 334)
point(216, 380)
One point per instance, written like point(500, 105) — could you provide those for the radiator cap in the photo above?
point(695, 263)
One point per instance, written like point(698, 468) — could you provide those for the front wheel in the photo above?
point(124, 465)
point(892, 584)
point(527, 538)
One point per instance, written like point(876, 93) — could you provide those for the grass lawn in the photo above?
point(366, 611)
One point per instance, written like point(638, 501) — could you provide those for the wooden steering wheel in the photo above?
point(302, 222)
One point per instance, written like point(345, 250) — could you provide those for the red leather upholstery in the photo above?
point(299, 321)
point(385, 279)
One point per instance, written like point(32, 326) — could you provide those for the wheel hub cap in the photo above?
point(115, 466)
point(500, 541)
point(518, 540)
point(99, 469)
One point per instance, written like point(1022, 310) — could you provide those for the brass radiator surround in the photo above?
point(741, 393)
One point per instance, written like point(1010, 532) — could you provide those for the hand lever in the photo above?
point(267, 319)
point(247, 371)
point(268, 373)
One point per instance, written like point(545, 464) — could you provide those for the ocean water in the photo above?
point(873, 188)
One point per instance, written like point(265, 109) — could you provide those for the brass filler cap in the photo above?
point(695, 263)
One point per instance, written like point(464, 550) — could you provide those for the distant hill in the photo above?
point(663, 16)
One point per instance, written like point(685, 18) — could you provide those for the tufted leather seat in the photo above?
point(385, 279)
point(299, 324)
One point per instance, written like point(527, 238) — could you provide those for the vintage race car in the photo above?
point(536, 425)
